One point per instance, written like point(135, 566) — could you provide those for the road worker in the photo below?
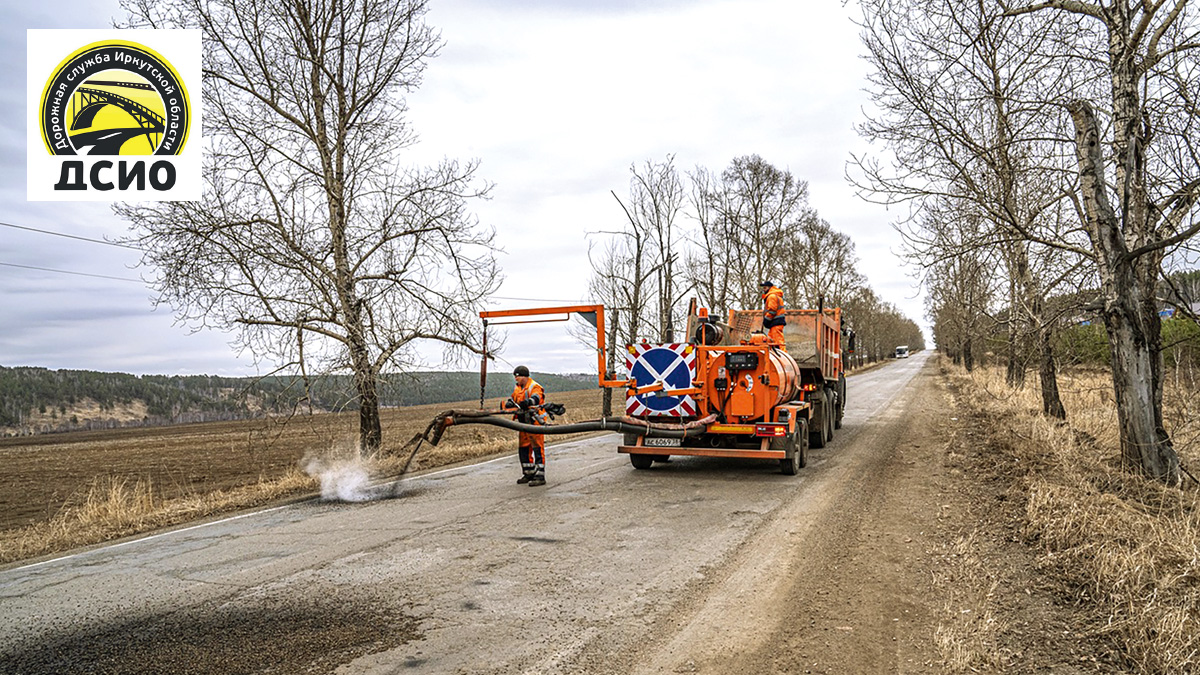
point(527, 400)
point(773, 319)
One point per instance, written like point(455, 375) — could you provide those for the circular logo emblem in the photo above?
point(114, 98)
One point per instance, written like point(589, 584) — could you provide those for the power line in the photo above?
point(69, 236)
point(78, 274)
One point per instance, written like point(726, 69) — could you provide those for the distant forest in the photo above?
point(39, 400)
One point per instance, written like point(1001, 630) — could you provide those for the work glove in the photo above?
point(554, 409)
point(524, 404)
point(509, 404)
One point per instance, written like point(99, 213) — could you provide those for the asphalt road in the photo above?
point(605, 570)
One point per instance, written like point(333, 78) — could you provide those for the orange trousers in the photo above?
point(531, 449)
point(775, 335)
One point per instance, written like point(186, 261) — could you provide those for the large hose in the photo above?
point(629, 425)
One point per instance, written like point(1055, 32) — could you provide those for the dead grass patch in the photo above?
point(1110, 539)
point(968, 642)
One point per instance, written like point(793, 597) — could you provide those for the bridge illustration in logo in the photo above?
point(87, 101)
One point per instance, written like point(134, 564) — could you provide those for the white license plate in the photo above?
point(661, 442)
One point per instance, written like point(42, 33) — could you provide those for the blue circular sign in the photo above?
point(665, 365)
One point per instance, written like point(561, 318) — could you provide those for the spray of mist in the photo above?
point(342, 480)
point(345, 476)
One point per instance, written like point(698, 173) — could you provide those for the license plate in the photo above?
point(661, 442)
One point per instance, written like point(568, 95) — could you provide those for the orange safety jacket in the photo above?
point(772, 307)
point(533, 392)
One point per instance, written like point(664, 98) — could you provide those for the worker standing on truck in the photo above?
point(773, 319)
point(527, 400)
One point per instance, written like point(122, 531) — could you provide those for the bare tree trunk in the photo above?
point(370, 429)
point(1133, 326)
point(1015, 372)
point(1052, 404)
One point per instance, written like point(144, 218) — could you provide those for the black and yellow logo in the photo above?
point(114, 97)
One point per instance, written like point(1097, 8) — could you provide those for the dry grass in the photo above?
point(1126, 545)
point(967, 642)
point(127, 482)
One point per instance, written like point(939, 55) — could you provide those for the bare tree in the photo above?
point(962, 284)
point(656, 199)
point(312, 238)
point(713, 245)
point(744, 219)
point(821, 262)
point(963, 103)
point(633, 269)
point(1139, 198)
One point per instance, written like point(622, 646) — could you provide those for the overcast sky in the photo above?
point(556, 98)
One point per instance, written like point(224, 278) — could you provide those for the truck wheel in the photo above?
point(795, 447)
point(802, 446)
point(641, 461)
point(819, 436)
point(832, 417)
point(841, 404)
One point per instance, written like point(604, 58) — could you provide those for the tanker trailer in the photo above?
point(752, 388)
point(817, 339)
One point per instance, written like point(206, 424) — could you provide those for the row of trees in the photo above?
point(35, 400)
point(1044, 146)
point(715, 237)
point(25, 390)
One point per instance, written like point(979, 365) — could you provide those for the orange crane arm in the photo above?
point(594, 314)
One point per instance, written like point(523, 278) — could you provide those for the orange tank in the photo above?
point(744, 383)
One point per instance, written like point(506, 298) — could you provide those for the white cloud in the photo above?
point(557, 100)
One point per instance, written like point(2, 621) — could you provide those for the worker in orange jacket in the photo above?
point(773, 319)
point(527, 399)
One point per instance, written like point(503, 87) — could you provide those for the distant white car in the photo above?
point(902, 352)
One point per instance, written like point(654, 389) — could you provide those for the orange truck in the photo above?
point(766, 402)
point(726, 392)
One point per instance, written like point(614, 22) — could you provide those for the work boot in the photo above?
point(536, 481)
point(524, 479)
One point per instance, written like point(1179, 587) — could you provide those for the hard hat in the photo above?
point(521, 371)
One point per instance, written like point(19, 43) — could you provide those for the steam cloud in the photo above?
point(343, 480)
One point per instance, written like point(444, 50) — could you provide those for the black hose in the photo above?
point(616, 424)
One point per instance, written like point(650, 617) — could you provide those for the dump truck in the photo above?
point(766, 401)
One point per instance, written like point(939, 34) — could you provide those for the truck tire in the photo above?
point(819, 434)
point(641, 461)
point(830, 397)
point(796, 446)
point(841, 401)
